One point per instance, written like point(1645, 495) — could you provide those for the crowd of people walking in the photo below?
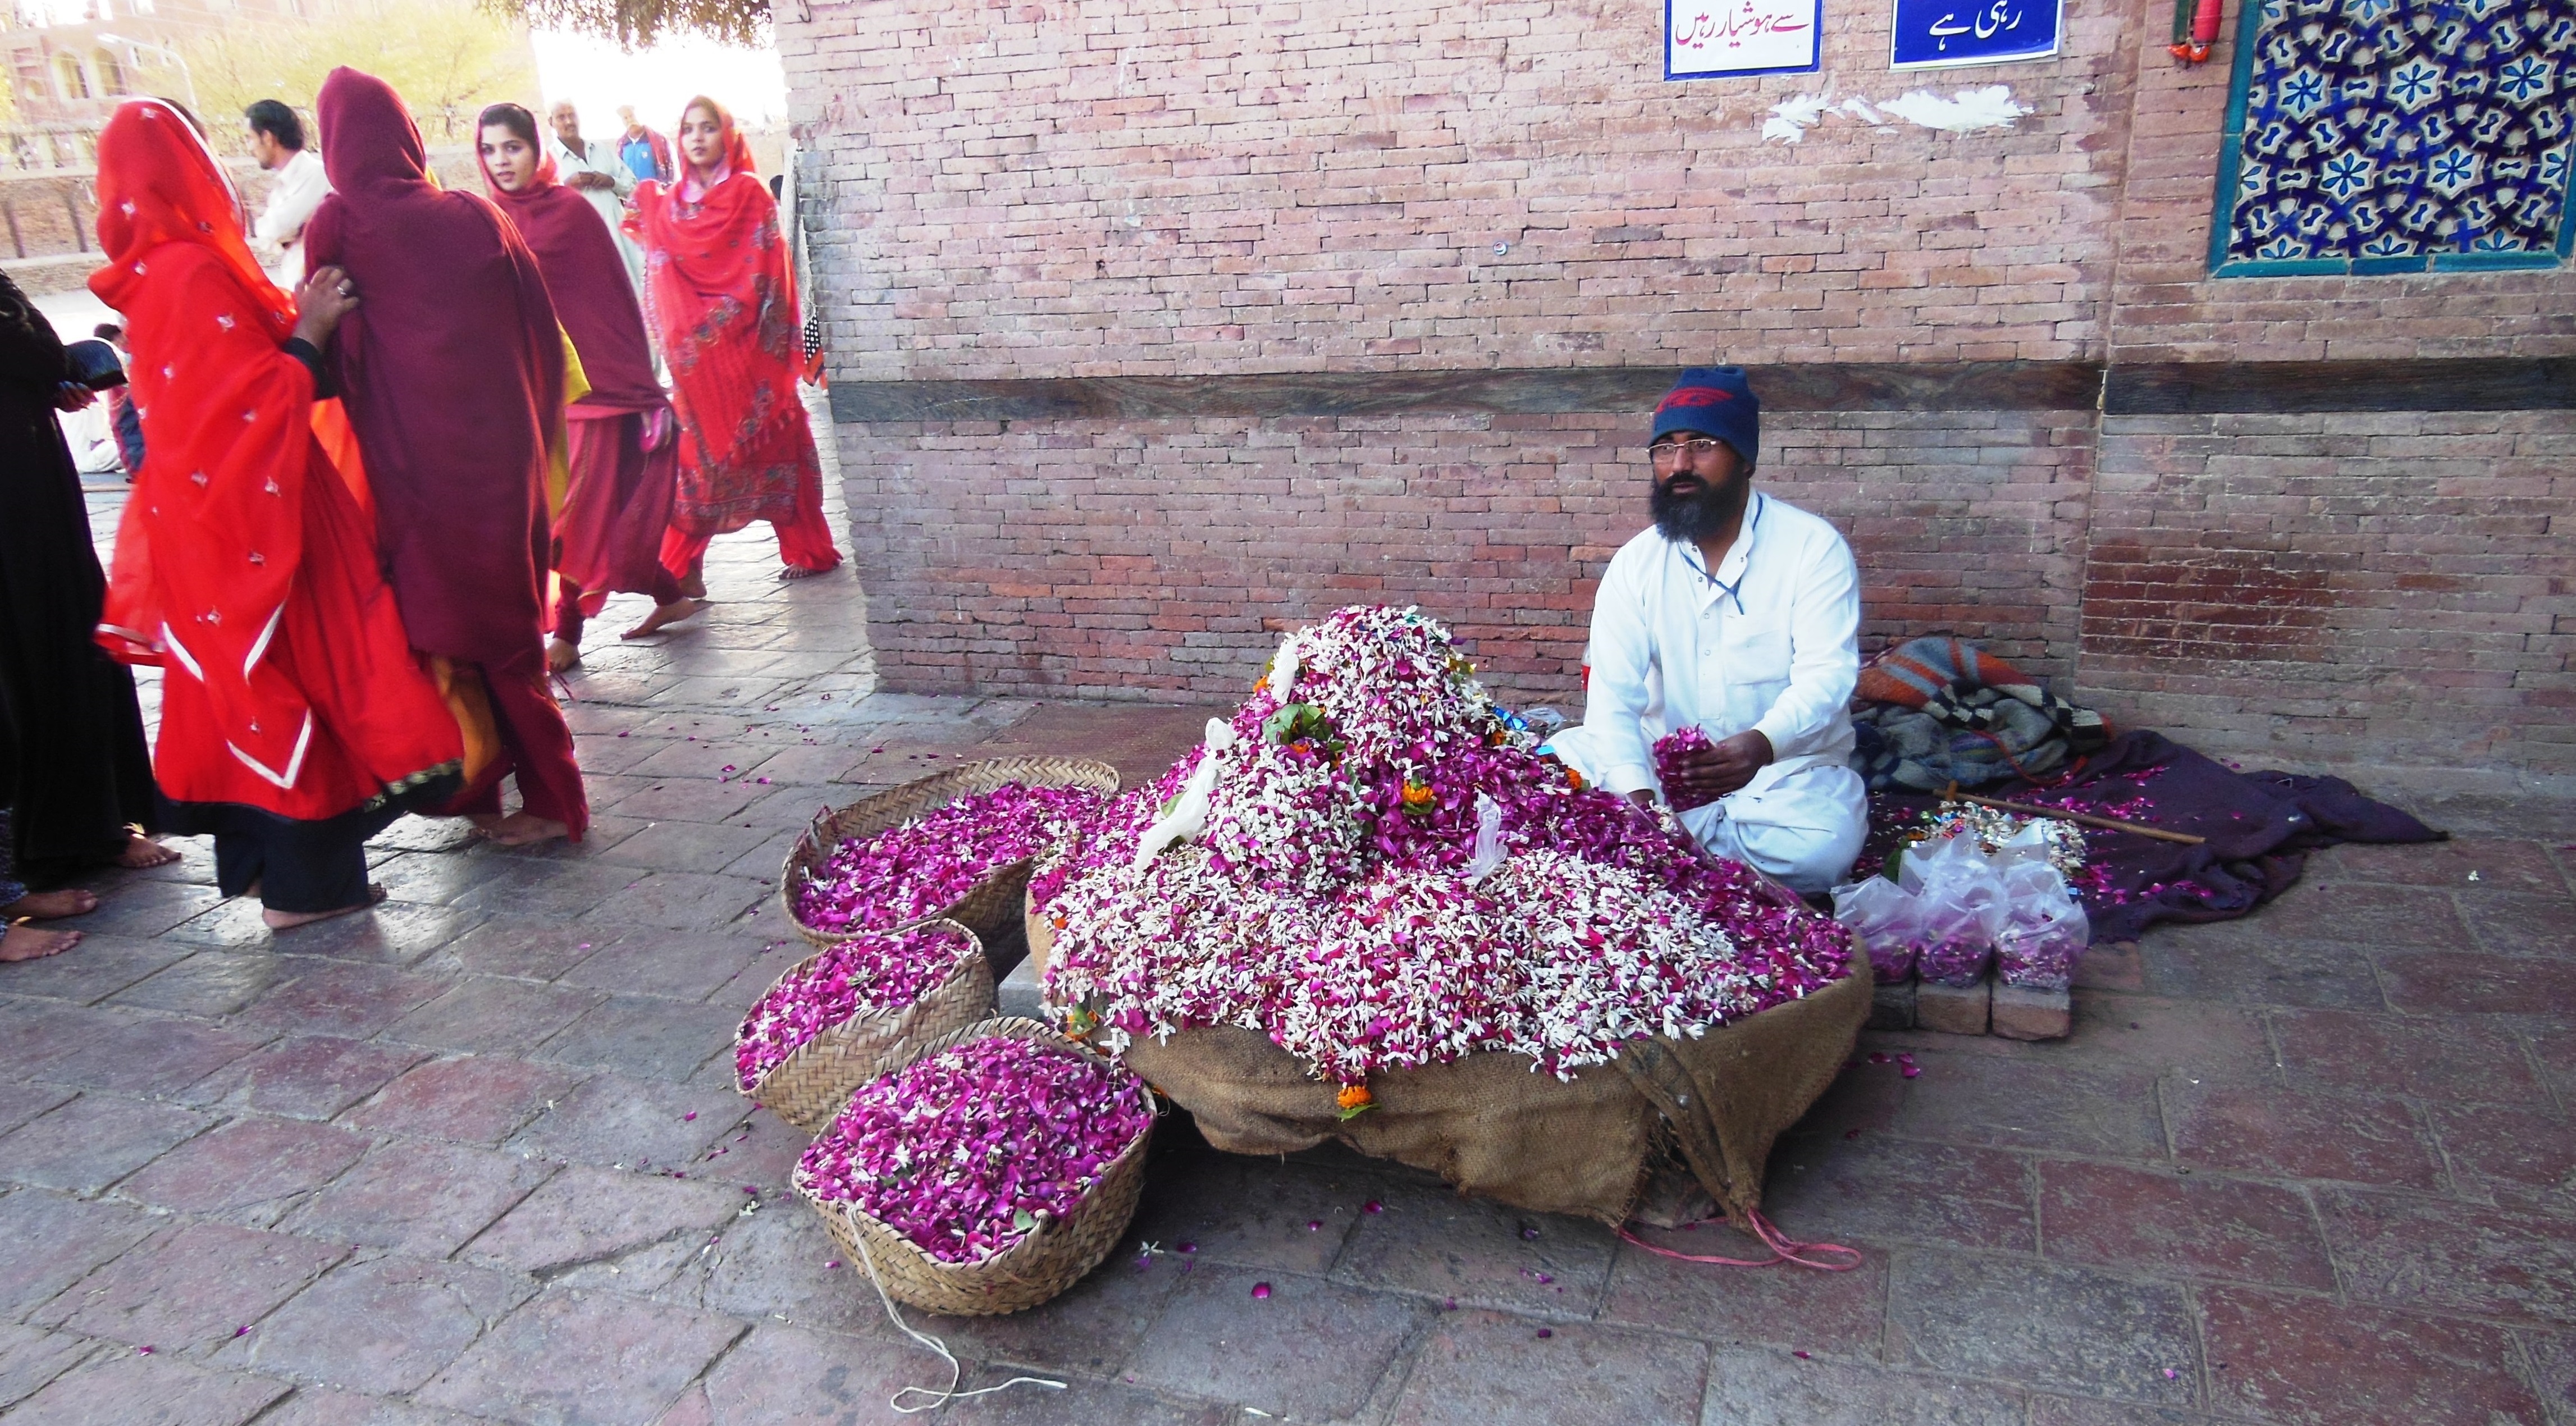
point(397, 445)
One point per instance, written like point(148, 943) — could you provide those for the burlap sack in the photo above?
point(1496, 1127)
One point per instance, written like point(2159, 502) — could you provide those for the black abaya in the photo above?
point(73, 765)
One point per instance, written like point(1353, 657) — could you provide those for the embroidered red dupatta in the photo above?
point(721, 291)
point(244, 565)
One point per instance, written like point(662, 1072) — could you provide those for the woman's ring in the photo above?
point(344, 289)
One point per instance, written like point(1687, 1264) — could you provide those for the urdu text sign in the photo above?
point(1708, 39)
point(1935, 34)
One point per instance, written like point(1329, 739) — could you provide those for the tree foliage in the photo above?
point(445, 58)
point(635, 23)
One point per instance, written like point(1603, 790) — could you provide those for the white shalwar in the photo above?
point(602, 159)
point(1771, 642)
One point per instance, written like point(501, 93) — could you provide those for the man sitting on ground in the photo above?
point(1739, 613)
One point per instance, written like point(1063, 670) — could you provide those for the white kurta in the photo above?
point(279, 234)
point(610, 201)
point(1771, 642)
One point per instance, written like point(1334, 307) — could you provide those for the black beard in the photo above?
point(1692, 518)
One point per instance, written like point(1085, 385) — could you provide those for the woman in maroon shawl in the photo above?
point(621, 441)
point(722, 293)
point(453, 376)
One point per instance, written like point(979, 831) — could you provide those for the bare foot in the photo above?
point(483, 821)
point(142, 852)
point(26, 943)
point(694, 583)
point(665, 615)
point(51, 905)
point(521, 829)
point(289, 920)
point(562, 657)
point(798, 571)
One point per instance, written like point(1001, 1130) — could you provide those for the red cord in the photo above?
point(1784, 1249)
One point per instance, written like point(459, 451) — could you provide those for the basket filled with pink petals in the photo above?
point(987, 1176)
point(857, 1009)
point(957, 844)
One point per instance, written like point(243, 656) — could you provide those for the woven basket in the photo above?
point(1029, 1272)
point(808, 1088)
point(987, 909)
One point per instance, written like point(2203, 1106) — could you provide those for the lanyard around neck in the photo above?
point(1690, 556)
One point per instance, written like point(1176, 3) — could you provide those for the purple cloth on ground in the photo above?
point(2260, 827)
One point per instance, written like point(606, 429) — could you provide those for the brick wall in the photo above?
point(2167, 308)
point(1141, 190)
point(1159, 559)
point(2396, 587)
point(1141, 186)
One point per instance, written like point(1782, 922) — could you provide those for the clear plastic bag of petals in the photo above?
point(2045, 929)
point(1882, 915)
point(1961, 907)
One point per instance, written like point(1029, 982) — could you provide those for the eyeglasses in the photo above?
point(1668, 454)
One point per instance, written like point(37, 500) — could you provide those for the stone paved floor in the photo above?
point(476, 1157)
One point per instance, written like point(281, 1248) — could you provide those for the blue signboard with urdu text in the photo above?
point(1933, 34)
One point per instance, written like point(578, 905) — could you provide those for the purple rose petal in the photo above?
point(968, 1151)
point(867, 973)
point(925, 865)
point(1328, 902)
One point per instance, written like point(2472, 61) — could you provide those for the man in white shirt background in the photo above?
point(596, 172)
point(277, 141)
point(1738, 613)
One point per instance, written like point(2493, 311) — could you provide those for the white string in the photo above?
point(955, 1371)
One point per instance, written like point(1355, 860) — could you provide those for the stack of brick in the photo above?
point(1988, 1007)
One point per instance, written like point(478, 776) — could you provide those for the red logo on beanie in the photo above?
point(1684, 396)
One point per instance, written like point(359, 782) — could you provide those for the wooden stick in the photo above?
point(2087, 819)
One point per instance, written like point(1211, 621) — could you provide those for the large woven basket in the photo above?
point(988, 909)
point(808, 1088)
point(1038, 1267)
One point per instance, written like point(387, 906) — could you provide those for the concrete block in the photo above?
point(2024, 1014)
point(1018, 992)
point(1950, 1009)
point(1891, 1007)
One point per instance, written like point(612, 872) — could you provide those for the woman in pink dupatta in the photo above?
point(622, 446)
point(721, 291)
point(453, 376)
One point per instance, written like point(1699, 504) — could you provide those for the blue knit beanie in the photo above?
point(1714, 401)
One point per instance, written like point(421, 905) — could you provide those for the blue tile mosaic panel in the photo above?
point(2370, 136)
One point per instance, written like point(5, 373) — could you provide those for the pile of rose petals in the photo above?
point(1329, 902)
point(1672, 752)
point(873, 972)
point(966, 1152)
point(926, 865)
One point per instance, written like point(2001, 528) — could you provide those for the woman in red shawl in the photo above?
point(621, 443)
point(294, 721)
point(722, 293)
point(453, 376)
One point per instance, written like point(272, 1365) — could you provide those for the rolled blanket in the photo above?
point(1935, 711)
